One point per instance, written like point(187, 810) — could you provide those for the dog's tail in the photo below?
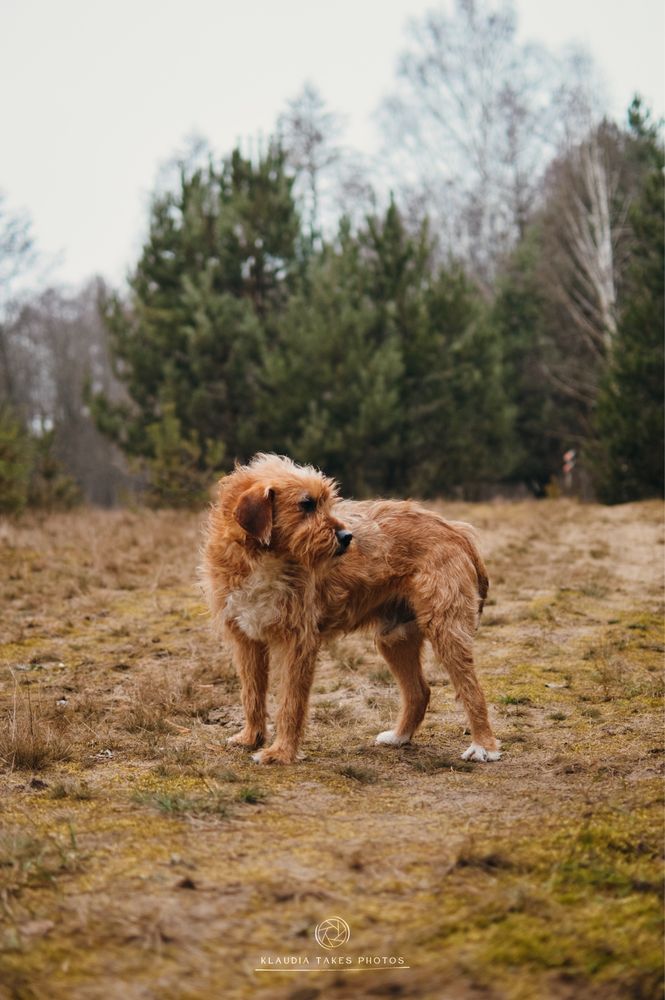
point(483, 584)
point(471, 545)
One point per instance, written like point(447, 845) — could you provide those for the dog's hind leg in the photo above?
point(452, 640)
point(297, 660)
point(251, 662)
point(401, 648)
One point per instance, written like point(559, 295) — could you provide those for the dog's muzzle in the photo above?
point(343, 540)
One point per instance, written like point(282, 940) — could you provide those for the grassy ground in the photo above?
point(139, 857)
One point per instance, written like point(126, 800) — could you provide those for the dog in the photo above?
point(287, 564)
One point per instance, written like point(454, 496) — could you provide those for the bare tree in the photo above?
point(586, 242)
point(475, 118)
point(17, 250)
point(17, 255)
point(331, 180)
point(309, 133)
point(55, 346)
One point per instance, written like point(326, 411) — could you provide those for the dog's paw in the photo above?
point(273, 755)
point(391, 739)
point(476, 752)
point(246, 739)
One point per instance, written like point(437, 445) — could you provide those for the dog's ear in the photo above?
point(254, 512)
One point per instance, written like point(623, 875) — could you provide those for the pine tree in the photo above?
point(628, 458)
point(460, 415)
point(333, 378)
point(215, 269)
point(16, 461)
point(542, 415)
point(361, 356)
point(387, 374)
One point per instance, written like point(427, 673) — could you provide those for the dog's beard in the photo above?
point(313, 547)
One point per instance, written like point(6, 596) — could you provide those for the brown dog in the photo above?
point(287, 564)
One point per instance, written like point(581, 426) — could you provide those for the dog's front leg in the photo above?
point(297, 661)
point(251, 663)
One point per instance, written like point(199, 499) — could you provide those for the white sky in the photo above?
point(96, 94)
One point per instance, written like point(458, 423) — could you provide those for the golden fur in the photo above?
point(281, 577)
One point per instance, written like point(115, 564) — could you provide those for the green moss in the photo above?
point(583, 897)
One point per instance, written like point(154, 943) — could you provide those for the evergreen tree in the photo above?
point(386, 375)
point(461, 417)
point(215, 268)
point(16, 460)
point(30, 473)
point(360, 356)
point(543, 417)
point(455, 418)
point(628, 457)
point(332, 380)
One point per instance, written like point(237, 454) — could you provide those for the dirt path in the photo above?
point(141, 858)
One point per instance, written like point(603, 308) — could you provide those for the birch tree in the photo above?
point(586, 243)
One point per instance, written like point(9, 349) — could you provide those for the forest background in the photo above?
point(452, 325)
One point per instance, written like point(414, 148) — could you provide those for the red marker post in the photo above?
point(568, 466)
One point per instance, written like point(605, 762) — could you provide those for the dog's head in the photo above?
point(285, 508)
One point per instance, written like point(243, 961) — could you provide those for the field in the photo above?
point(142, 858)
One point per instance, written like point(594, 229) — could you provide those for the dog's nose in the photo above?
point(344, 537)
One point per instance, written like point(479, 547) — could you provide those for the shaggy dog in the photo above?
point(287, 564)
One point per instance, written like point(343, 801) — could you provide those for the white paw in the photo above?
point(390, 738)
point(256, 757)
point(476, 752)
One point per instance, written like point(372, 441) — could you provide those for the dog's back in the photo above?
point(393, 535)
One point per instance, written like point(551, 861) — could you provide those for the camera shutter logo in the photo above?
point(332, 933)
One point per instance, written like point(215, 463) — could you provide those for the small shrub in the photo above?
point(177, 474)
point(50, 487)
point(30, 474)
point(15, 463)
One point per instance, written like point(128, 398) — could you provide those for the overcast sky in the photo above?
point(97, 93)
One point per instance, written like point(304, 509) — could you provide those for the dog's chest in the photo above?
point(264, 601)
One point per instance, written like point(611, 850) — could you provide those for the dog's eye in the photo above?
point(308, 505)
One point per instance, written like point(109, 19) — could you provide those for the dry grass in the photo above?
point(140, 856)
point(28, 741)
